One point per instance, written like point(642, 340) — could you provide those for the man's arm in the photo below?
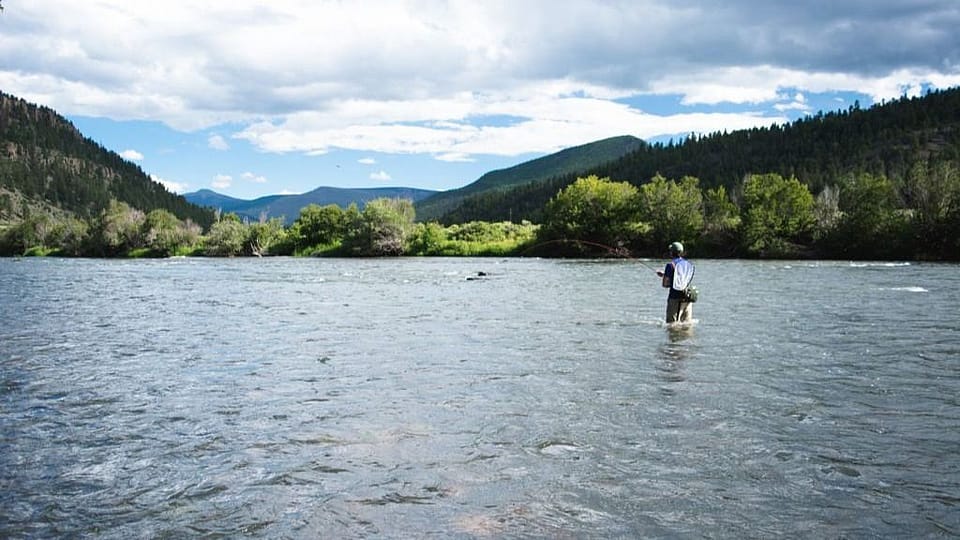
point(667, 277)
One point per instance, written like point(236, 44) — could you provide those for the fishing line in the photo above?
point(618, 251)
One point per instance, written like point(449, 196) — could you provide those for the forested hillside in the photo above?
point(46, 165)
point(889, 140)
point(570, 161)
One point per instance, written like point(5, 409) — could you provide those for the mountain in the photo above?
point(569, 161)
point(289, 206)
point(429, 204)
point(888, 139)
point(47, 164)
point(885, 139)
point(212, 199)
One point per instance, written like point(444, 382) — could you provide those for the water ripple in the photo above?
point(395, 398)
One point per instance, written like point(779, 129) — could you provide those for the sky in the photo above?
point(258, 98)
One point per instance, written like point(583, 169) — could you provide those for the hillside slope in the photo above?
point(45, 162)
point(568, 161)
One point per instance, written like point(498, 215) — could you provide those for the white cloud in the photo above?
point(217, 142)
point(131, 155)
point(250, 177)
point(173, 187)
point(546, 123)
point(222, 181)
point(415, 76)
point(380, 176)
point(764, 84)
point(367, 161)
point(454, 157)
point(799, 103)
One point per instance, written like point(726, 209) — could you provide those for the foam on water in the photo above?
point(905, 289)
point(879, 264)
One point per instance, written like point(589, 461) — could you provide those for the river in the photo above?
point(476, 398)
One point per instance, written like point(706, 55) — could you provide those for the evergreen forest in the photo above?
point(47, 165)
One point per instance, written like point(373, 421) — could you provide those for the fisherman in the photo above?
point(677, 276)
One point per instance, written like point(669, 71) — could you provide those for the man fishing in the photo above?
point(677, 276)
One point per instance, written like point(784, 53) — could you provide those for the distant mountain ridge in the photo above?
point(429, 204)
point(568, 161)
point(288, 206)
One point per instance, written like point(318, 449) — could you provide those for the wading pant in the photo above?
point(678, 310)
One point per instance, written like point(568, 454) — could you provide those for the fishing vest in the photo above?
point(682, 273)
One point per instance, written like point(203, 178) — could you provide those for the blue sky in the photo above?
point(256, 98)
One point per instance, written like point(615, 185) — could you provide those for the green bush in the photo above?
point(226, 237)
point(776, 213)
point(473, 239)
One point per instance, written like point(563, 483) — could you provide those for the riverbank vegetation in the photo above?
point(859, 216)
point(385, 227)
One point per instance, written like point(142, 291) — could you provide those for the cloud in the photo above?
point(131, 155)
point(548, 122)
point(799, 103)
point(419, 76)
point(250, 177)
point(173, 187)
point(454, 157)
point(217, 142)
point(367, 161)
point(222, 181)
point(380, 176)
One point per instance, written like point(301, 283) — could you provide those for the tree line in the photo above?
point(385, 227)
point(861, 216)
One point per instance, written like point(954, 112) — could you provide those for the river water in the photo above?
point(400, 398)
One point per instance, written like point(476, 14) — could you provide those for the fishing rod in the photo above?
point(618, 251)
